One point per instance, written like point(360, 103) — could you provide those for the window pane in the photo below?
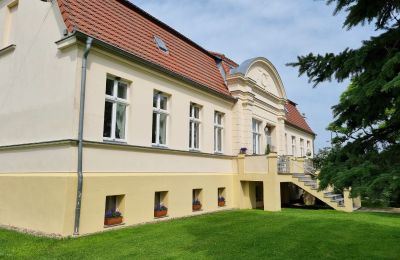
point(154, 129)
point(219, 119)
point(155, 98)
point(163, 102)
point(110, 87)
point(219, 139)
point(215, 139)
point(122, 89)
point(196, 112)
point(191, 110)
point(196, 135)
point(190, 135)
point(107, 119)
point(163, 129)
point(120, 122)
point(254, 126)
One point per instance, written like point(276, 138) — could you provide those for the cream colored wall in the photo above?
point(61, 158)
point(291, 131)
point(37, 93)
point(139, 194)
point(98, 158)
point(43, 202)
point(143, 82)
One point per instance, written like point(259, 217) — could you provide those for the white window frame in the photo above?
point(218, 127)
point(302, 153)
point(294, 145)
point(158, 110)
point(256, 136)
point(115, 100)
point(192, 122)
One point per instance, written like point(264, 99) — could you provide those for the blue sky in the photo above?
point(276, 29)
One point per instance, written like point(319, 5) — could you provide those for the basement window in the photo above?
point(197, 198)
point(221, 197)
point(113, 214)
point(160, 204)
point(161, 44)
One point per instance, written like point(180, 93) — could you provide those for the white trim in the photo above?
point(216, 128)
point(115, 100)
point(192, 123)
point(160, 112)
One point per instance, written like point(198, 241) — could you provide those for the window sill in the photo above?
point(219, 153)
point(7, 49)
point(114, 141)
point(159, 146)
point(166, 216)
point(195, 150)
point(116, 225)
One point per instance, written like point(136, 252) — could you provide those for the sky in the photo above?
point(279, 30)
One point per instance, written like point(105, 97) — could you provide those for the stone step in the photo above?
point(337, 200)
point(310, 183)
point(305, 178)
point(327, 193)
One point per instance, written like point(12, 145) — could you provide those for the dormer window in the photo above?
point(161, 44)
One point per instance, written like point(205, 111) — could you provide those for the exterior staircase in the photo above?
point(304, 177)
point(309, 184)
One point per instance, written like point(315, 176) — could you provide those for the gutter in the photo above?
point(80, 136)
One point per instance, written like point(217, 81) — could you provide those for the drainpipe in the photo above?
point(80, 136)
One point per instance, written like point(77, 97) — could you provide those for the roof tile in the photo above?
point(122, 24)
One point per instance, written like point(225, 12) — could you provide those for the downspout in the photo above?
point(80, 136)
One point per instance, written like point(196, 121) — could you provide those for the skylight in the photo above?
point(160, 44)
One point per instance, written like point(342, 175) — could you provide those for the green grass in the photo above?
point(290, 234)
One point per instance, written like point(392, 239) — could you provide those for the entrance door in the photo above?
point(259, 195)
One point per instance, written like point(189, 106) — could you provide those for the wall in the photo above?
point(143, 82)
point(291, 131)
point(37, 94)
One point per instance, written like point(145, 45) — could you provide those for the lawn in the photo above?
point(290, 234)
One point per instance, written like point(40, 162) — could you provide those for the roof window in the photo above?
point(161, 44)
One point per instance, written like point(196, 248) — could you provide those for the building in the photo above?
point(105, 109)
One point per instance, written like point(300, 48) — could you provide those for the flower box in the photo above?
point(112, 221)
point(196, 207)
point(160, 213)
point(221, 203)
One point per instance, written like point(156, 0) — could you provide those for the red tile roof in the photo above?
point(227, 64)
point(123, 25)
point(294, 118)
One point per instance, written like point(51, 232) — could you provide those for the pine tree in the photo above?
point(366, 152)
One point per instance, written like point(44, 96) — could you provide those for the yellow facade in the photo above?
point(38, 144)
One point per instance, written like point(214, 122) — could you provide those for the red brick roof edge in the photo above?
point(124, 25)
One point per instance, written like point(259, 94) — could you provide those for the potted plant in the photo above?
point(221, 201)
point(112, 218)
point(267, 149)
point(160, 211)
point(196, 205)
point(243, 150)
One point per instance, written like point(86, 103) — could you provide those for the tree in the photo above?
point(366, 152)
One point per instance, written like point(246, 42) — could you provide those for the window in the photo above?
point(194, 126)
point(286, 144)
point(308, 148)
point(293, 145)
point(196, 199)
point(221, 197)
point(113, 213)
point(160, 204)
point(256, 136)
point(160, 119)
point(218, 131)
point(302, 152)
point(161, 44)
point(115, 110)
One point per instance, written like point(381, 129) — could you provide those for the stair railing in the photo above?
point(283, 164)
